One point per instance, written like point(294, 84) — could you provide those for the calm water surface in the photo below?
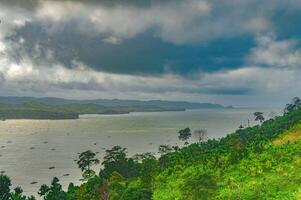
point(29, 147)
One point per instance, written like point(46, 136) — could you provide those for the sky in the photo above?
point(242, 53)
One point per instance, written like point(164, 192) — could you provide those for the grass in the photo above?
point(269, 175)
point(294, 134)
point(273, 174)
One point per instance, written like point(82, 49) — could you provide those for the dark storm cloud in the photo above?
point(143, 54)
point(26, 4)
point(33, 4)
point(165, 49)
point(142, 37)
point(110, 85)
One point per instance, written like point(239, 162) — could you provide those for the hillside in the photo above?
point(35, 110)
point(260, 162)
point(57, 108)
point(249, 164)
point(272, 174)
point(111, 102)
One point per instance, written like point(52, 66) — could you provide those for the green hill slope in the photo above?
point(273, 174)
point(34, 110)
point(249, 164)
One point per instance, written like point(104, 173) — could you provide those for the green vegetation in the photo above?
point(258, 117)
point(5, 194)
point(86, 160)
point(250, 163)
point(35, 110)
point(184, 135)
point(296, 104)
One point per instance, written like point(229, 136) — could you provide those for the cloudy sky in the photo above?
point(230, 52)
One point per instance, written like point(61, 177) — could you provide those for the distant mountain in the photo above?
point(110, 102)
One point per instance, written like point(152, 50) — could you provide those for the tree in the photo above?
point(116, 160)
point(5, 184)
point(17, 195)
point(54, 192)
point(200, 135)
point(86, 160)
point(148, 168)
point(240, 129)
point(90, 190)
point(259, 116)
point(141, 157)
point(71, 191)
point(116, 185)
point(184, 135)
point(164, 149)
point(296, 104)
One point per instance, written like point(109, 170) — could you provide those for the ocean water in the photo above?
point(28, 148)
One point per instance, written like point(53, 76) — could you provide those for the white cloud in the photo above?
point(180, 23)
point(59, 11)
point(11, 19)
point(174, 21)
point(25, 78)
point(275, 53)
point(112, 40)
point(2, 47)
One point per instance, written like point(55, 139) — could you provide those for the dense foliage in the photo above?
point(247, 164)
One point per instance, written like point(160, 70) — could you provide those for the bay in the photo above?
point(38, 150)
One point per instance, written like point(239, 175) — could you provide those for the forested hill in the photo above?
point(56, 108)
point(260, 162)
point(111, 102)
point(34, 110)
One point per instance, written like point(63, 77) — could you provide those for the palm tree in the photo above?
point(86, 160)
